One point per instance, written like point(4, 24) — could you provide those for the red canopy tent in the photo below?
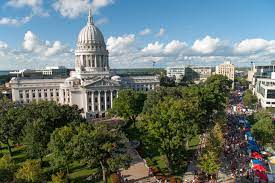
point(259, 167)
point(256, 155)
point(261, 175)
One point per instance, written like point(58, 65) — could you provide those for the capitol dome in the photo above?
point(90, 33)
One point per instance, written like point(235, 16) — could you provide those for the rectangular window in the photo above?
point(21, 95)
point(57, 94)
point(39, 95)
point(33, 95)
point(96, 99)
point(45, 95)
point(90, 108)
point(270, 94)
point(51, 94)
point(96, 108)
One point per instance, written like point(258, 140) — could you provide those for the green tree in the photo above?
point(209, 162)
point(10, 127)
point(61, 147)
point(44, 117)
point(215, 139)
point(103, 147)
point(30, 171)
point(128, 105)
point(242, 81)
point(167, 81)
point(170, 125)
point(158, 95)
point(249, 99)
point(213, 98)
point(36, 137)
point(264, 130)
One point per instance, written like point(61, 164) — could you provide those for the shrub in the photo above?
point(30, 171)
point(58, 178)
point(6, 162)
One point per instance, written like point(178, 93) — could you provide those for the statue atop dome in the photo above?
point(90, 18)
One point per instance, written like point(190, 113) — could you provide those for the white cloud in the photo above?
point(171, 48)
point(36, 5)
point(21, 3)
point(161, 32)
point(97, 4)
point(74, 8)
point(174, 46)
point(102, 21)
point(12, 21)
point(3, 45)
point(252, 46)
point(145, 32)
point(118, 45)
point(207, 45)
point(153, 48)
point(44, 48)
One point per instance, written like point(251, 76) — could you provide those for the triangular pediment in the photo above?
point(103, 82)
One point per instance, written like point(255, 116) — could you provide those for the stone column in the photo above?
point(105, 100)
point(85, 102)
point(95, 61)
point(93, 102)
point(111, 99)
point(99, 101)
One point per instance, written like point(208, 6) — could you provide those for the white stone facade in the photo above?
point(226, 69)
point(177, 72)
point(90, 87)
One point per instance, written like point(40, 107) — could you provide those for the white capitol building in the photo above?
point(91, 87)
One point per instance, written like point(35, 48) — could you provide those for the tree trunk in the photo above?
point(67, 169)
point(103, 172)
point(9, 147)
point(169, 165)
point(187, 144)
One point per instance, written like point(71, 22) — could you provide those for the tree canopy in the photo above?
point(128, 105)
point(170, 124)
point(249, 99)
point(263, 129)
point(99, 146)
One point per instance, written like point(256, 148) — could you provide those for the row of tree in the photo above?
point(171, 116)
point(58, 132)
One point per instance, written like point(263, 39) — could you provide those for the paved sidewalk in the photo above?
point(137, 172)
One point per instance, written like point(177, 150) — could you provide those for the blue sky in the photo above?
point(36, 33)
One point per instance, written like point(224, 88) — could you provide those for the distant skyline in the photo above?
point(37, 33)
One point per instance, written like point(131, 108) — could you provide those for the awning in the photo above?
point(256, 155)
point(261, 175)
point(259, 168)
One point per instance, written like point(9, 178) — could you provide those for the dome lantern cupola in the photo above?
point(91, 55)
